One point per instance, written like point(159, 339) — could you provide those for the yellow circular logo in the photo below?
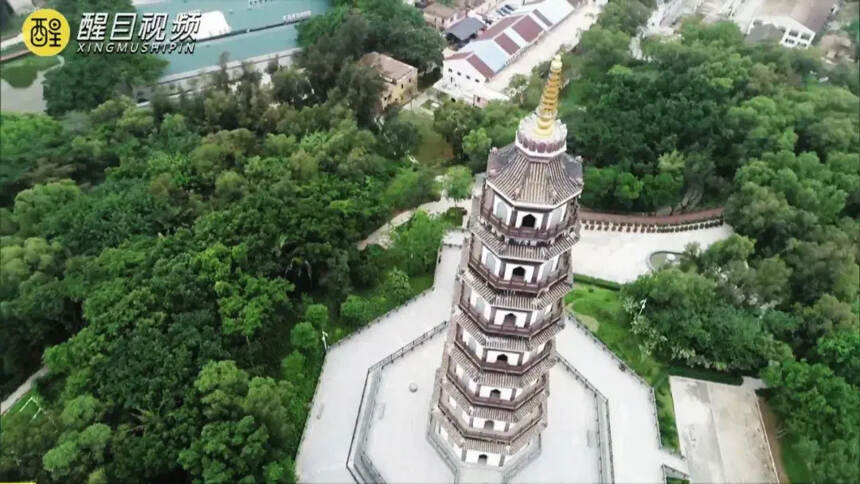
point(46, 32)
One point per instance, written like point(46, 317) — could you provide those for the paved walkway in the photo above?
point(623, 256)
point(325, 445)
point(12, 41)
point(382, 235)
point(22, 390)
point(636, 450)
point(721, 431)
point(324, 448)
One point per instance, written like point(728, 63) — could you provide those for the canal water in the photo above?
point(24, 99)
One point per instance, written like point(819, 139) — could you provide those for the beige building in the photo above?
point(401, 79)
point(442, 16)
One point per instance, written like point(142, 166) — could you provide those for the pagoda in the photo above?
point(490, 398)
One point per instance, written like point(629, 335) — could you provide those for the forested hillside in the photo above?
point(174, 266)
point(773, 134)
point(178, 263)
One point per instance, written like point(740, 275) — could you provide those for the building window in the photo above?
point(467, 77)
point(449, 70)
point(529, 221)
point(488, 425)
point(482, 459)
point(509, 320)
point(495, 394)
point(519, 273)
point(502, 359)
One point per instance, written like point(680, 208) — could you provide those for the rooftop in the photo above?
point(465, 28)
point(388, 67)
point(764, 32)
point(811, 13)
point(440, 10)
point(496, 46)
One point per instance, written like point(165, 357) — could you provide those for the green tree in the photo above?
point(416, 244)
point(458, 182)
point(304, 337)
point(355, 310)
point(317, 315)
point(396, 286)
point(476, 146)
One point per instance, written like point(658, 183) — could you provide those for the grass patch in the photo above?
point(604, 307)
point(433, 150)
point(21, 407)
point(22, 72)
point(793, 461)
point(594, 281)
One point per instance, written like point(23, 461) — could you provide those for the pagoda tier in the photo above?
point(490, 398)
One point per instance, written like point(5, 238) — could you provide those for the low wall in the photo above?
point(592, 220)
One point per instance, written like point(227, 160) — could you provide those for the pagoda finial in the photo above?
point(549, 100)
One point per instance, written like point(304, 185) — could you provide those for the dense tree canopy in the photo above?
point(180, 264)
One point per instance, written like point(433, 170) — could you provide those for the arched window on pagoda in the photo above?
point(519, 273)
point(529, 221)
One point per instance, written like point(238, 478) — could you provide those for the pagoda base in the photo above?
point(395, 439)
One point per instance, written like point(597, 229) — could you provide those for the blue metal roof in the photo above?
point(490, 53)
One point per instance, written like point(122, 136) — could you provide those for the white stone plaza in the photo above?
point(396, 441)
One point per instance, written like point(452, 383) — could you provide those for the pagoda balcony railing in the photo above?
point(504, 367)
point(520, 285)
point(505, 436)
point(542, 234)
point(508, 329)
point(475, 399)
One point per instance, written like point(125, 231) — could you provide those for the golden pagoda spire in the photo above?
point(549, 100)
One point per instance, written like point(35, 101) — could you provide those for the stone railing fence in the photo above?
point(359, 465)
point(604, 431)
point(626, 367)
point(611, 222)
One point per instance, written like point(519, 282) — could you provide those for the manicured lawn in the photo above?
point(22, 72)
point(601, 310)
point(433, 150)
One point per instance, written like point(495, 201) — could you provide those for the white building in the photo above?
point(795, 23)
point(465, 73)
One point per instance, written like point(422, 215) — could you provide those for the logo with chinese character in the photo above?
point(130, 33)
point(46, 32)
